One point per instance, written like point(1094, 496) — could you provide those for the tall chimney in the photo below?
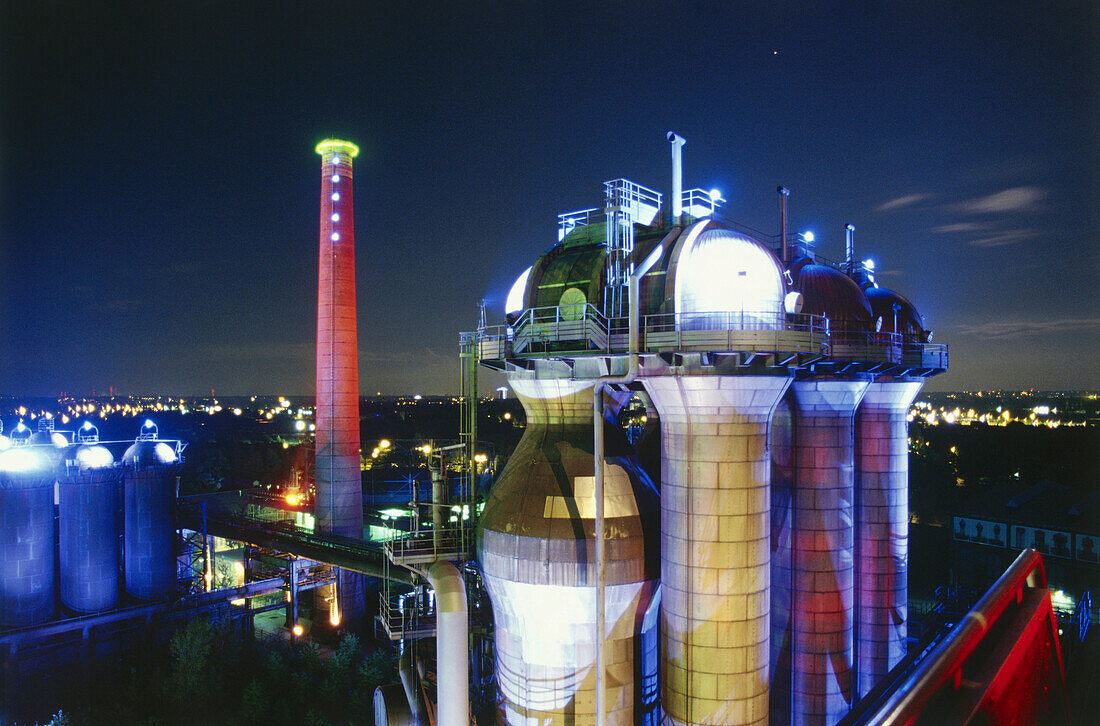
point(677, 142)
point(338, 506)
point(784, 192)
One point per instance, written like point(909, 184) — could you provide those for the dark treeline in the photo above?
point(205, 676)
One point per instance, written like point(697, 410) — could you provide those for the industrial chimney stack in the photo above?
point(338, 506)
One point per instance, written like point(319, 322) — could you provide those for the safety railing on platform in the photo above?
point(570, 221)
point(860, 345)
point(748, 330)
point(582, 329)
point(427, 546)
point(566, 328)
point(408, 614)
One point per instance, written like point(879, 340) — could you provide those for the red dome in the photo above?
point(830, 293)
point(909, 321)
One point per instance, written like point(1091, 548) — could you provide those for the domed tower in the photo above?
point(882, 515)
point(88, 507)
point(536, 549)
point(723, 289)
point(756, 372)
point(27, 533)
point(149, 499)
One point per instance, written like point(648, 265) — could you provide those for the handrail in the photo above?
point(583, 329)
point(949, 657)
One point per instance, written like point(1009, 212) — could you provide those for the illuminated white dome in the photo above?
point(20, 459)
point(149, 452)
point(94, 456)
point(725, 280)
point(514, 302)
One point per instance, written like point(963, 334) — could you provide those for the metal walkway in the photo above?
point(225, 518)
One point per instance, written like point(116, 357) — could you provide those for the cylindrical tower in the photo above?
point(882, 526)
point(780, 436)
point(338, 504)
point(715, 548)
point(88, 509)
point(27, 533)
point(149, 499)
point(822, 647)
point(538, 558)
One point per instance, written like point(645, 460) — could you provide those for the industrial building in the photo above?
point(770, 567)
point(743, 561)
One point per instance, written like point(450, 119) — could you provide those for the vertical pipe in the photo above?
point(292, 606)
point(452, 644)
point(849, 250)
point(784, 192)
point(677, 142)
point(633, 346)
point(438, 502)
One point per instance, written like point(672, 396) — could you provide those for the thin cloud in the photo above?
point(1007, 237)
point(961, 227)
point(1016, 199)
point(1010, 329)
point(901, 202)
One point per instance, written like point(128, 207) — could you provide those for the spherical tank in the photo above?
point(149, 497)
point(898, 315)
point(27, 534)
point(724, 280)
point(537, 553)
point(88, 504)
point(830, 293)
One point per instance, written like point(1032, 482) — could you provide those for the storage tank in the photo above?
point(88, 507)
point(27, 534)
point(537, 553)
point(149, 497)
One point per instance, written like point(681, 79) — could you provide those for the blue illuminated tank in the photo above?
point(88, 500)
point(149, 496)
point(27, 533)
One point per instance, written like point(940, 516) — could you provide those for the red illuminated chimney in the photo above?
point(338, 506)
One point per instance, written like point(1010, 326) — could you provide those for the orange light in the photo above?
point(297, 630)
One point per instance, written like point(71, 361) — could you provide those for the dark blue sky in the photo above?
point(159, 198)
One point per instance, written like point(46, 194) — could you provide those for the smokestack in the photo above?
point(849, 250)
point(677, 142)
point(784, 192)
point(338, 506)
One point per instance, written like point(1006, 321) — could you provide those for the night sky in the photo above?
point(160, 188)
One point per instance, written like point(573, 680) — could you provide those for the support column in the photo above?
point(822, 649)
point(882, 461)
point(715, 550)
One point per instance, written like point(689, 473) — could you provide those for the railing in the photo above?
point(568, 328)
point(582, 329)
point(427, 546)
point(408, 615)
point(1082, 617)
point(738, 330)
point(569, 221)
point(948, 660)
point(698, 203)
point(859, 345)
